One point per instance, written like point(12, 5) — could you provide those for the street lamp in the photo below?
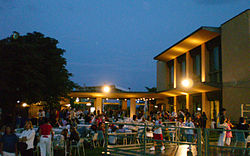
point(106, 89)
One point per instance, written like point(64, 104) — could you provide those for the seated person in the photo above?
point(121, 129)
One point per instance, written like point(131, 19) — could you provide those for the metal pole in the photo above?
point(199, 142)
point(206, 142)
point(145, 126)
point(242, 110)
point(106, 138)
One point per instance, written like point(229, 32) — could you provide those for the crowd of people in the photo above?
point(68, 120)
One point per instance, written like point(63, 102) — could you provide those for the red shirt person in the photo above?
point(46, 134)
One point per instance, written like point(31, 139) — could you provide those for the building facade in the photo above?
point(208, 70)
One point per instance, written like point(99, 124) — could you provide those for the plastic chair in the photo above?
point(94, 139)
point(77, 146)
point(240, 137)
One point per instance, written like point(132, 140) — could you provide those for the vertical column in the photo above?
point(188, 102)
point(203, 62)
point(98, 104)
point(124, 105)
point(175, 72)
point(206, 108)
point(175, 104)
point(132, 107)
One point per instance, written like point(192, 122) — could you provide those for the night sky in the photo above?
point(114, 41)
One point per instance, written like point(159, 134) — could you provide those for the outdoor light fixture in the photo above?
point(68, 105)
point(187, 83)
point(18, 101)
point(92, 109)
point(117, 99)
point(156, 106)
point(77, 99)
point(106, 89)
point(88, 104)
point(125, 99)
point(87, 98)
point(24, 105)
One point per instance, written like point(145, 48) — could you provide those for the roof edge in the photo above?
point(208, 28)
point(235, 16)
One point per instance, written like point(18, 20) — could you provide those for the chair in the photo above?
point(240, 137)
point(77, 147)
point(94, 139)
point(140, 135)
point(123, 138)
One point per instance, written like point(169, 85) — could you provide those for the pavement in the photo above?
point(181, 150)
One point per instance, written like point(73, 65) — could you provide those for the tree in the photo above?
point(32, 69)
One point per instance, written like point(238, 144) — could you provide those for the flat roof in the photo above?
point(116, 95)
point(198, 37)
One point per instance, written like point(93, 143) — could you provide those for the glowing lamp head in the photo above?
point(186, 83)
point(106, 89)
point(24, 104)
point(77, 99)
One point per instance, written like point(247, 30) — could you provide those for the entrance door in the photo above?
point(215, 108)
point(197, 103)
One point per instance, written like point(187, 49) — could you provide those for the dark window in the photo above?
point(182, 62)
point(171, 104)
point(197, 65)
point(214, 49)
point(171, 73)
point(196, 57)
point(183, 68)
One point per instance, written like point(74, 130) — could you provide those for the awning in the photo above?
point(198, 88)
point(198, 37)
point(124, 95)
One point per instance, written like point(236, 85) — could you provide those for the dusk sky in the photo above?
point(114, 41)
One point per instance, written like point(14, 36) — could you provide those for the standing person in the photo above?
point(222, 124)
point(41, 115)
point(204, 120)
point(243, 125)
point(9, 143)
point(222, 137)
point(229, 134)
point(28, 136)
point(158, 133)
point(189, 132)
point(46, 133)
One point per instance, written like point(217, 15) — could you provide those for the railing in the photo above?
point(212, 137)
point(142, 141)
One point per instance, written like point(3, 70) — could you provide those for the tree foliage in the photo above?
point(32, 69)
